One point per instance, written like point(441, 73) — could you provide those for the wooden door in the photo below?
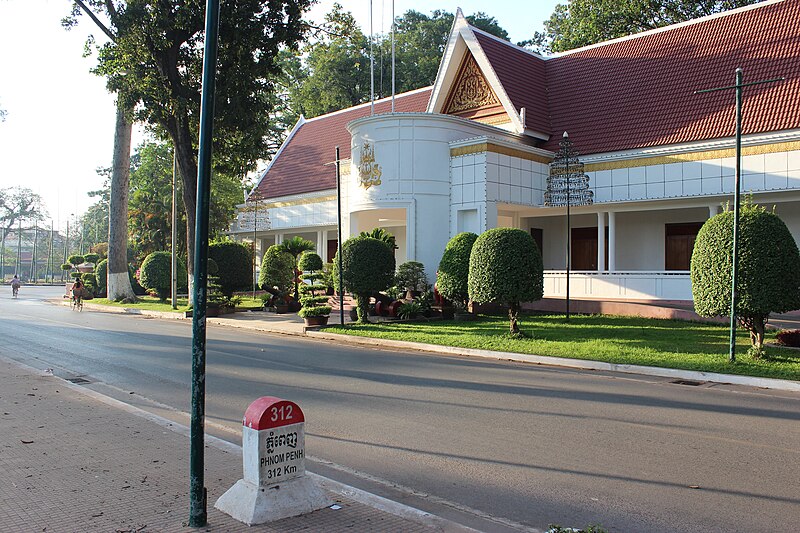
point(584, 249)
point(679, 244)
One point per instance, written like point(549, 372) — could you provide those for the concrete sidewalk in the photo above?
point(73, 460)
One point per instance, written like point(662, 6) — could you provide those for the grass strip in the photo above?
point(612, 339)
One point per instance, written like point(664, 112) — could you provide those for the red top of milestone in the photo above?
point(270, 412)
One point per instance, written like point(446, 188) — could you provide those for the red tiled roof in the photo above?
point(628, 93)
point(300, 167)
point(638, 92)
point(522, 75)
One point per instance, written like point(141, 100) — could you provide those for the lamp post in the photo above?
point(339, 234)
point(738, 86)
point(174, 237)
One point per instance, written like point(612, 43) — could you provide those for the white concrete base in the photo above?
point(251, 504)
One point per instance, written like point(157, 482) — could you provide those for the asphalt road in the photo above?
point(521, 443)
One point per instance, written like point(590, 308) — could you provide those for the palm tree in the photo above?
point(382, 235)
point(296, 246)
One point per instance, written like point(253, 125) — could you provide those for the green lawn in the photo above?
point(151, 303)
point(612, 339)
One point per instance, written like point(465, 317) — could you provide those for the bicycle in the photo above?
point(77, 302)
point(14, 291)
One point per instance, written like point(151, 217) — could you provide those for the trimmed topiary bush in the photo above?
point(76, 260)
point(768, 277)
point(411, 276)
point(310, 262)
point(91, 258)
point(101, 273)
point(453, 274)
point(156, 272)
point(367, 267)
point(313, 300)
point(295, 247)
point(235, 266)
point(276, 270)
point(90, 282)
point(505, 266)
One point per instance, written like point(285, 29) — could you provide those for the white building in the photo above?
point(472, 152)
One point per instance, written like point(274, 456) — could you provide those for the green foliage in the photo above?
point(367, 267)
point(19, 204)
point(555, 528)
point(583, 22)
point(411, 276)
point(101, 273)
point(313, 302)
point(90, 282)
point(235, 266)
point(768, 276)
point(92, 258)
point(156, 273)
point(453, 274)
point(66, 266)
point(409, 310)
point(75, 260)
point(309, 262)
point(382, 235)
point(76, 275)
point(276, 270)
point(506, 266)
point(295, 247)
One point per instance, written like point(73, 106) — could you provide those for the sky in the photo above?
point(59, 126)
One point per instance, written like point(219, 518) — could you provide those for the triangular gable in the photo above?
point(472, 97)
point(462, 45)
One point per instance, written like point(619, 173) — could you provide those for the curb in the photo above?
point(580, 364)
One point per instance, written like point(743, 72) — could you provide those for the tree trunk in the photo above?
point(756, 327)
point(513, 313)
point(187, 168)
point(118, 282)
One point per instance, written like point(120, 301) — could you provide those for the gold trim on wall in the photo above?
point(497, 149)
point(694, 156)
point(303, 201)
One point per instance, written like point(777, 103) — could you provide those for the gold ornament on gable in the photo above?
point(369, 172)
point(471, 90)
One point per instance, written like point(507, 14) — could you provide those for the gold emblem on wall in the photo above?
point(471, 90)
point(369, 172)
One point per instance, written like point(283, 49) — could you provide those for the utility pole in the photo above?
point(66, 249)
point(339, 235)
point(174, 280)
point(3, 256)
point(33, 254)
point(49, 267)
point(18, 266)
point(198, 512)
point(738, 86)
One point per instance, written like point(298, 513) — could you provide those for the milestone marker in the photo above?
point(274, 484)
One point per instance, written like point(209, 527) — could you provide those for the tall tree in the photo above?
point(17, 205)
point(156, 58)
point(336, 71)
point(118, 283)
point(584, 22)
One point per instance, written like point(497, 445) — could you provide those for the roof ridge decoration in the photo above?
point(670, 27)
point(470, 89)
point(463, 41)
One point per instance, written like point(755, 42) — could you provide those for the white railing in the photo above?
point(626, 285)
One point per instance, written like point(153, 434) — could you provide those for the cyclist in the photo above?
point(15, 285)
point(77, 294)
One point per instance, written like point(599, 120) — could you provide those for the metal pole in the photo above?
point(174, 280)
point(339, 236)
point(33, 254)
point(198, 513)
point(569, 231)
point(3, 256)
point(66, 249)
point(18, 265)
point(371, 66)
point(736, 201)
point(393, 77)
point(49, 267)
point(255, 230)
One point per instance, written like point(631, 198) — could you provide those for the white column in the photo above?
point(322, 248)
point(713, 210)
point(601, 241)
point(278, 238)
point(612, 241)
